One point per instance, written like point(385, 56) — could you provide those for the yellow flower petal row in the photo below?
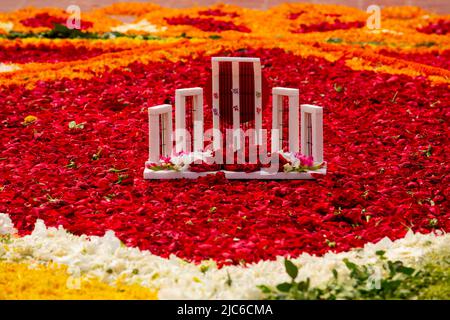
point(176, 49)
point(27, 282)
point(275, 22)
point(397, 23)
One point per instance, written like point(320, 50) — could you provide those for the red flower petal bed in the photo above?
point(295, 15)
point(218, 13)
point(326, 26)
point(17, 53)
point(440, 27)
point(207, 24)
point(435, 58)
point(47, 21)
point(386, 144)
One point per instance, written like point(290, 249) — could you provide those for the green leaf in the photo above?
point(428, 151)
point(406, 270)
point(155, 276)
point(185, 36)
point(396, 267)
point(430, 281)
point(291, 269)
point(121, 177)
point(433, 222)
point(114, 170)
point(74, 125)
point(426, 44)
point(335, 274)
point(212, 209)
point(284, 287)
point(71, 165)
point(97, 155)
point(5, 238)
point(380, 253)
point(303, 285)
point(229, 281)
point(331, 244)
point(334, 40)
point(264, 289)
point(358, 273)
point(390, 286)
point(61, 31)
point(109, 197)
point(338, 88)
point(350, 265)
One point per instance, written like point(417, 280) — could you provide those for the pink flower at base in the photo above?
point(306, 161)
point(165, 159)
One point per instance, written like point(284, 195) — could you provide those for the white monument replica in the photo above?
point(296, 136)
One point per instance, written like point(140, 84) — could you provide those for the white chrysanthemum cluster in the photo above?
point(6, 225)
point(107, 258)
point(6, 26)
point(142, 25)
point(8, 67)
point(183, 160)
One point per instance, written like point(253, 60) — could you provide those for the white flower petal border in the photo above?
point(107, 258)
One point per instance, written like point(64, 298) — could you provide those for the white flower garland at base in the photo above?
point(107, 258)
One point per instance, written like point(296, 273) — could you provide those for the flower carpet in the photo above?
point(74, 138)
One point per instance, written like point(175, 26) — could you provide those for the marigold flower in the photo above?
point(23, 281)
point(29, 119)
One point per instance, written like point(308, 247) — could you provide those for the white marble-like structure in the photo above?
point(305, 124)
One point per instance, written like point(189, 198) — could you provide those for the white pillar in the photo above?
point(235, 96)
point(181, 141)
point(155, 131)
point(258, 102)
point(198, 120)
point(236, 104)
point(217, 144)
point(312, 132)
point(277, 118)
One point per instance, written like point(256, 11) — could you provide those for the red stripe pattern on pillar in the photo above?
point(225, 94)
point(246, 92)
